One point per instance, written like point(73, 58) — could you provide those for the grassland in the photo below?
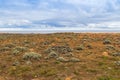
point(60, 56)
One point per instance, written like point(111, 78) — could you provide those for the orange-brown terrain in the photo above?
point(60, 56)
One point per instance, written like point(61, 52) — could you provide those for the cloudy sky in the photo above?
point(59, 14)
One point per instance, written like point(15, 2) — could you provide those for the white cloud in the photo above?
point(104, 25)
point(13, 22)
point(71, 13)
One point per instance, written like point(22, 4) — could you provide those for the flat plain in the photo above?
point(60, 56)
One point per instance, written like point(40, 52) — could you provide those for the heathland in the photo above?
point(60, 56)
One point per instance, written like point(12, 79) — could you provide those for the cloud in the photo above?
point(93, 14)
point(105, 25)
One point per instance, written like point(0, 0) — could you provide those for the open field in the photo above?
point(60, 56)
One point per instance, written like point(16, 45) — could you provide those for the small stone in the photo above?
point(105, 54)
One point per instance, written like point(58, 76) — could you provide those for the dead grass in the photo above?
point(93, 50)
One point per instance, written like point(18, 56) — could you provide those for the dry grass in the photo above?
point(98, 55)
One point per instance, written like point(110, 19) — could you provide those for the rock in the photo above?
point(106, 54)
point(67, 78)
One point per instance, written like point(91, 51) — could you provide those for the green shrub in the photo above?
point(31, 55)
point(105, 78)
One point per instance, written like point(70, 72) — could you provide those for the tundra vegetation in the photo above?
point(60, 56)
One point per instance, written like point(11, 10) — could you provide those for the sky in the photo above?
point(59, 14)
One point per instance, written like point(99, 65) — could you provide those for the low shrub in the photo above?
point(105, 78)
point(74, 60)
point(80, 47)
point(15, 52)
point(4, 49)
point(62, 59)
point(106, 41)
point(21, 49)
point(115, 54)
point(31, 55)
point(110, 47)
point(52, 55)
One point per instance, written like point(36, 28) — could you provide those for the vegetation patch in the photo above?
point(32, 55)
point(60, 56)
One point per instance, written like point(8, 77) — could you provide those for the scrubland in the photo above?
point(60, 56)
